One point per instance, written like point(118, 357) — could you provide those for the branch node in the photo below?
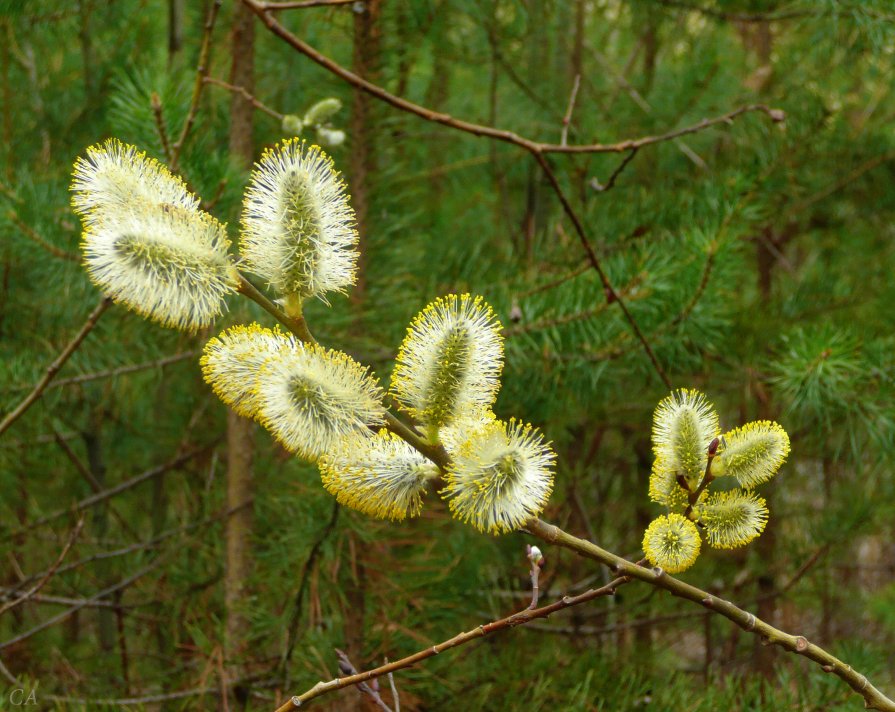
point(801, 643)
point(751, 624)
point(708, 602)
point(828, 668)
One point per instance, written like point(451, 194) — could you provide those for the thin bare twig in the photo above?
point(57, 364)
point(490, 131)
point(122, 370)
point(391, 682)
point(610, 184)
point(537, 149)
point(161, 126)
point(609, 291)
point(245, 95)
point(300, 4)
point(567, 118)
point(31, 592)
point(511, 621)
point(99, 497)
point(346, 667)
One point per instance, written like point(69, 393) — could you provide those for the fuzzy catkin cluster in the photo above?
point(148, 244)
point(691, 455)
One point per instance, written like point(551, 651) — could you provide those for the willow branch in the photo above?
point(516, 619)
point(798, 644)
point(296, 325)
point(57, 364)
point(299, 327)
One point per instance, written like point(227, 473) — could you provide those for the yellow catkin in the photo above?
point(672, 542)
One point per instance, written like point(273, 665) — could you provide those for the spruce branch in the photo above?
point(38, 239)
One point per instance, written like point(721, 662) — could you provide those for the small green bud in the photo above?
point(330, 137)
point(292, 125)
point(322, 112)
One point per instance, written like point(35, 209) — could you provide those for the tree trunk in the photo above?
point(240, 431)
point(242, 74)
point(175, 29)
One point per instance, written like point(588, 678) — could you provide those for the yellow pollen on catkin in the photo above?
point(672, 542)
point(381, 476)
point(500, 477)
point(752, 453)
point(298, 228)
point(311, 398)
point(732, 519)
point(449, 364)
point(145, 241)
point(232, 361)
point(684, 424)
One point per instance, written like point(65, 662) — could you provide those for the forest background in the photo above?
point(184, 560)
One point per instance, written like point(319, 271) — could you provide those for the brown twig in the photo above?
point(202, 69)
point(516, 619)
point(490, 131)
point(245, 95)
point(567, 118)
point(537, 149)
point(122, 370)
point(707, 477)
point(609, 291)
point(292, 627)
point(610, 184)
point(30, 593)
point(798, 644)
point(57, 364)
point(161, 126)
point(300, 4)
